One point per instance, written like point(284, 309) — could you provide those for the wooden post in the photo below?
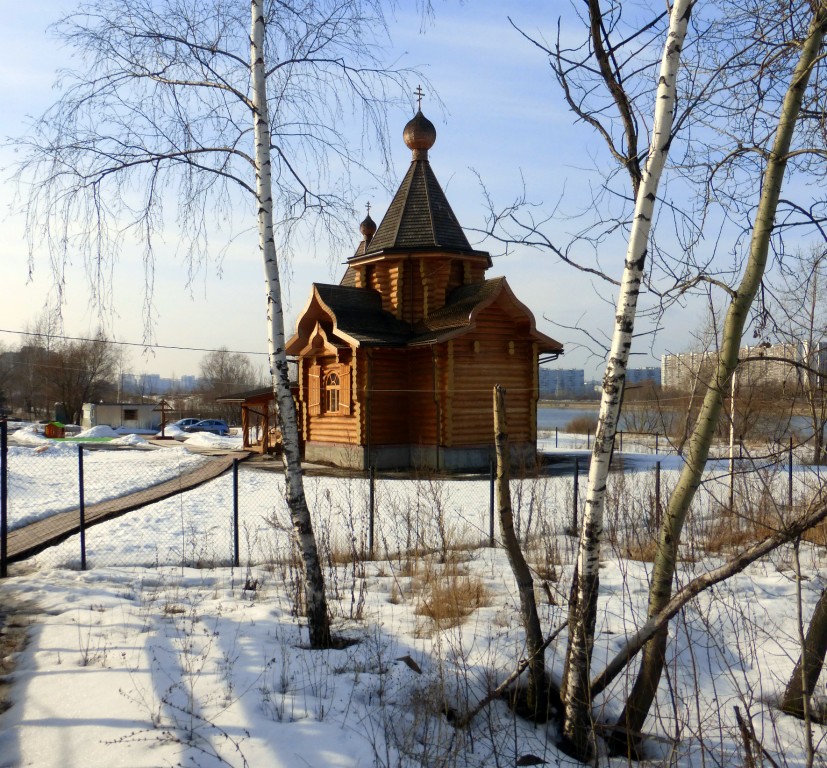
point(537, 696)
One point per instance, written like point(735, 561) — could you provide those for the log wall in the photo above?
point(340, 427)
point(386, 404)
point(487, 356)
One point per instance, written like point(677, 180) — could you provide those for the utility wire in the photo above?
point(127, 343)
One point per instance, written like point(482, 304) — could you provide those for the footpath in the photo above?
point(33, 538)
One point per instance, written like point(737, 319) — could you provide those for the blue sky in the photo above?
point(501, 116)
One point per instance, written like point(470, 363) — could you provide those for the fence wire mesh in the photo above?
point(244, 517)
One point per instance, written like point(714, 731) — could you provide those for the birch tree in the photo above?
point(583, 610)
point(221, 111)
point(776, 159)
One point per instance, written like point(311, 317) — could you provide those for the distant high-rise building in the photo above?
point(639, 375)
point(761, 365)
point(559, 382)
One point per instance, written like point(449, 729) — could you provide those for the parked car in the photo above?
point(216, 426)
point(184, 423)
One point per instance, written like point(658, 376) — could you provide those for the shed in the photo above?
point(259, 420)
point(140, 416)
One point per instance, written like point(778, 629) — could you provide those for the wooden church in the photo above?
point(397, 363)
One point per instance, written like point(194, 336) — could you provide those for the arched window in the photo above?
point(332, 388)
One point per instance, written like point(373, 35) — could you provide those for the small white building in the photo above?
point(139, 416)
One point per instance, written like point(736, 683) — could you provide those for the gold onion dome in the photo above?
point(419, 135)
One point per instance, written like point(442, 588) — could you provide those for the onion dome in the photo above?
point(419, 135)
point(368, 227)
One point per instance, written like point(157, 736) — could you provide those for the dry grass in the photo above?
point(581, 425)
point(817, 535)
point(642, 551)
point(728, 533)
point(447, 595)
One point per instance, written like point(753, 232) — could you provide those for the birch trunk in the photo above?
point(643, 692)
point(316, 604)
point(535, 647)
point(803, 680)
point(577, 728)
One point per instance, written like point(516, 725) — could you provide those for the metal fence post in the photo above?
point(4, 498)
point(621, 441)
point(492, 477)
point(555, 437)
point(82, 509)
point(574, 511)
point(657, 495)
point(371, 509)
point(236, 558)
point(657, 435)
point(790, 475)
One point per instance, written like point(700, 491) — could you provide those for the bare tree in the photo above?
point(577, 727)
point(741, 133)
point(807, 51)
point(803, 680)
point(537, 698)
point(211, 108)
point(224, 372)
point(79, 372)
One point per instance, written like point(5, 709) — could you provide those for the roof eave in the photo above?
point(435, 251)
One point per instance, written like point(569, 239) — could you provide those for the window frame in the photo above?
point(331, 392)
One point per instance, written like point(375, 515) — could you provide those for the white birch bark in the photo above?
point(645, 687)
point(577, 728)
point(316, 604)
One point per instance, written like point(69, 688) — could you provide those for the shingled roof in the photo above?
point(359, 314)
point(458, 313)
point(419, 217)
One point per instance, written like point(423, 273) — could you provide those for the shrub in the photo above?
point(582, 425)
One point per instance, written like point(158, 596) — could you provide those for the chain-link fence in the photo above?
point(72, 505)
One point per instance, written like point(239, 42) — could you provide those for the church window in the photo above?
point(332, 391)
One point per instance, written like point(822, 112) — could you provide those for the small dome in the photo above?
point(368, 228)
point(419, 133)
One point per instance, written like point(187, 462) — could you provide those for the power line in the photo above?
point(128, 343)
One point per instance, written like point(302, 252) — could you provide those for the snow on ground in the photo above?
point(45, 480)
point(135, 441)
point(170, 430)
point(102, 430)
point(156, 666)
point(209, 440)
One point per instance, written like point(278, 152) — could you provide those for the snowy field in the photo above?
point(145, 660)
